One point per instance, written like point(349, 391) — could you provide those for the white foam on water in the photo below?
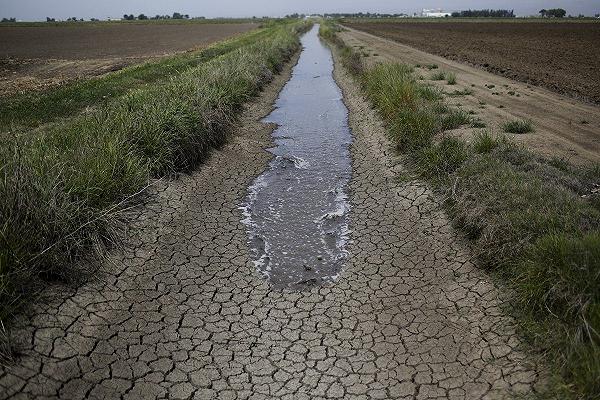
point(263, 263)
point(298, 162)
point(246, 207)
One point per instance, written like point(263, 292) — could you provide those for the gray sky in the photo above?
point(39, 9)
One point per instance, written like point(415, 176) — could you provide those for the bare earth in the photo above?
point(37, 57)
point(181, 311)
point(564, 127)
point(561, 56)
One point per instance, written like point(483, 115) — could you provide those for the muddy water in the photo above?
point(296, 212)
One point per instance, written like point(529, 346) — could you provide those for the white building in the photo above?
point(435, 13)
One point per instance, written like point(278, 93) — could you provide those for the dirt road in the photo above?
point(564, 127)
point(181, 312)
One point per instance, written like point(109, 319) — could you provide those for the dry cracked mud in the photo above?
point(180, 312)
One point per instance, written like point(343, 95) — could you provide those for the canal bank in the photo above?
point(181, 311)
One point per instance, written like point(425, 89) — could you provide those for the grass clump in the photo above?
point(442, 159)
point(454, 119)
point(450, 78)
point(485, 142)
point(438, 76)
point(518, 126)
point(64, 187)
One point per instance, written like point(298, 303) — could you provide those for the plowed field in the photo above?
point(563, 57)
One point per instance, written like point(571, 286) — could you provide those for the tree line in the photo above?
point(484, 14)
point(364, 15)
point(175, 15)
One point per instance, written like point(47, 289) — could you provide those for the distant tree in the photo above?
point(9, 20)
point(597, 15)
point(48, 19)
point(129, 17)
point(186, 16)
point(94, 19)
point(177, 15)
point(553, 12)
point(142, 17)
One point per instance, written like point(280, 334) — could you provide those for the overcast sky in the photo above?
point(40, 9)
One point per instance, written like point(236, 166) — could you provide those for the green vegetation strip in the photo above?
point(534, 222)
point(31, 109)
point(63, 188)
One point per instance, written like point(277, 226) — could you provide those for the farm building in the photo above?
point(434, 13)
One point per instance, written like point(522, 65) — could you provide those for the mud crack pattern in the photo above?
point(181, 312)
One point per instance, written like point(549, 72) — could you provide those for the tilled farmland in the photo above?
point(563, 57)
point(38, 57)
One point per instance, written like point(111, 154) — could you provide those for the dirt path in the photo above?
point(564, 127)
point(182, 313)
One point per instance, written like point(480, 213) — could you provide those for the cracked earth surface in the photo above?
point(181, 312)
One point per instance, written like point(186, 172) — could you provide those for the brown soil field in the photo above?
point(563, 57)
point(564, 127)
point(110, 40)
point(36, 57)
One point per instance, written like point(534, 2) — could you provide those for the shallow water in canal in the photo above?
point(296, 212)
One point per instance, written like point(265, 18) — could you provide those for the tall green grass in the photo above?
point(534, 222)
point(64, 186)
